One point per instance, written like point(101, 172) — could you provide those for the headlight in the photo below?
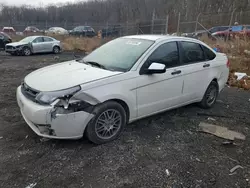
point(19, 47)
point(50, 97)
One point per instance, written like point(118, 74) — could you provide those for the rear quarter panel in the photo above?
point(219, 70)
point(56, 43)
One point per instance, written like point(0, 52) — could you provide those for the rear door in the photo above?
point(48, 44)
point(196, 67)
point(37, 45)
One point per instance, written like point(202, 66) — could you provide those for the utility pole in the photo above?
point(231, 23)
point(166, 28)
point(178, 26)
point(197, 21)
point(152, 22)
point(127, 27)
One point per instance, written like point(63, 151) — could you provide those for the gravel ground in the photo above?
point(147, 148)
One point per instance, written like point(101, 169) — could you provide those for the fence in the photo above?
point(205, 21)
point(169, 24)
point(154, 26)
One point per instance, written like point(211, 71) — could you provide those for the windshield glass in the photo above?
point(28, 39)
point(119, 54)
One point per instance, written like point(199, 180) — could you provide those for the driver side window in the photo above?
point(38, 40)
point(166, 54)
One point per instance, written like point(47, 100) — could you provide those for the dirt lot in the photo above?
point(138, 159)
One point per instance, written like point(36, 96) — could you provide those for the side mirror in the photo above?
point(156, 68)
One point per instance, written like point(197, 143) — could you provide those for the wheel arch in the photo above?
point(56, 45)
point(215, 80)
point(124, 105)
point(30, 47)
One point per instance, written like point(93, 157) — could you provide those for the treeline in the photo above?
point(122, 11)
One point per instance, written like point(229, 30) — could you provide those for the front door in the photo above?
point(158, 92)
point(37, 45)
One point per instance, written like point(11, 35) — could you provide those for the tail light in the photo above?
point(228, 63)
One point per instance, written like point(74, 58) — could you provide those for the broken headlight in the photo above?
point(50, 97)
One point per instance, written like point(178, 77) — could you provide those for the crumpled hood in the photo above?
point(65, 75)
point(16, 44)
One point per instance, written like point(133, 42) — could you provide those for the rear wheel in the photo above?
point(26, 51)
point(210, 95)
point(108, 123)
point(56, 50)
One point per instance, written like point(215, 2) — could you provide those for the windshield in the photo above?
point(119, 54)
point(27, 39)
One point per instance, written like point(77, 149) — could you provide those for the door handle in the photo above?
point(176, 72)
point(206, 65)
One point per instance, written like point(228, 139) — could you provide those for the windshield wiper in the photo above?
point(95, 64)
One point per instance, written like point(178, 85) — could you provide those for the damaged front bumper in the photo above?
point(13, 50)
point(52, 122)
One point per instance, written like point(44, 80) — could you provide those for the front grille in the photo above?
point(28, 92)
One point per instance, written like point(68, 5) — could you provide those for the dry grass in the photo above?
point(74, 43)
point(81, 44)
point(238, 52)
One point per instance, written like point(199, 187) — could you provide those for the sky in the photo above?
point(34, 2)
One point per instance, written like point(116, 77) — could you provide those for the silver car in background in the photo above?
point(34, 44)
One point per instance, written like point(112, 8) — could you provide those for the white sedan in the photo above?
point(56, 31)
point(124, 80)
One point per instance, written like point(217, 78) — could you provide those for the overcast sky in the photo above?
point(34, 2)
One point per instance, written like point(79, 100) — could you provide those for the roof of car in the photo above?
point(156, 37)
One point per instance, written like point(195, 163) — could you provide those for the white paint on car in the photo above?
point(145, 94)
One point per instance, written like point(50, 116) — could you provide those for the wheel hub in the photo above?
point(211, 95)
point(108, 124)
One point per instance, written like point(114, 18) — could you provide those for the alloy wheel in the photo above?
point(108, 124)
point(211, 95)
point(26, 52)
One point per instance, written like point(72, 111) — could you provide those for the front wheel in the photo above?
point(210, 96)
point(107, 124)
point(26, 51)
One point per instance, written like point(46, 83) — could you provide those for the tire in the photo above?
point(210, 96)
point(98, 127)
point(56, 50)
point(26, 51)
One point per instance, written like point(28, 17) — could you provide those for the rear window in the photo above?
point(216, 29)
point(46, 39)
point(209, 54)
point(223, 28)
point(192, 52)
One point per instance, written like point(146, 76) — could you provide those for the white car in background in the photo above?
point(57, 31)
point(124, 80)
